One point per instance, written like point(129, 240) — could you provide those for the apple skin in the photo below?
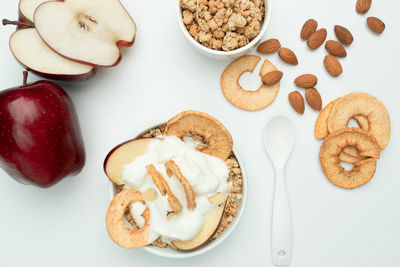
point(40, 138)
point(61, 77)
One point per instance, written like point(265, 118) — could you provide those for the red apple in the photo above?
point(40, 137)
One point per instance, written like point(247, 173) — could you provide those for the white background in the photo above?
point(161, 76)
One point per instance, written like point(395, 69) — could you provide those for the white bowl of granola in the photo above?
point(232, 209)
point(223, 29)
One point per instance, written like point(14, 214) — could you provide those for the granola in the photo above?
point(235, 192)
point(223, 24)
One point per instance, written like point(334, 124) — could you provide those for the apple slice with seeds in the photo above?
point(86, 31)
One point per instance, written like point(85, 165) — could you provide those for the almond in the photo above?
point(375, 24)
point(363, 6)
point(272, 77)
point(335, 48)
point(344, 35)
point(288, 56)
point(297, 101)
point(332, 65)
point(306, 81)
point(314, 99)
point(268, 47)
point(317, 39)
point(309, 28)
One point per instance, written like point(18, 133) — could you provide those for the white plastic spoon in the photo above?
point(279, 139)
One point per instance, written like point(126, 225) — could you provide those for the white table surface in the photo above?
point(160, 76)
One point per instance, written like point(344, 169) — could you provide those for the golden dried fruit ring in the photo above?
point(219, 139)
point(363, 170)
point(119, 233)
point(365, 105)
point(321, 125)
point(248, 100)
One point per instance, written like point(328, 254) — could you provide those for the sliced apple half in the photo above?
point(29, 49)
point(211, 223)
point(86, 31)
point(27, 9)
point(123, 154)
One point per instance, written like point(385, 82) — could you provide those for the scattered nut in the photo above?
point(363, 6)
point(335, 48)
point(375, 24)
point(317, 39)
point(272, 77)
point(297, 102)
point(308, 29)
point(306, 81)
point(314, 99)
point(268, 47)
point(288, 56)
point(343, 34)
point(332, 65)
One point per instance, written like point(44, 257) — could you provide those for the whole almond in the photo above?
point(297, 101)
point(375, 24)
point(288, 56)
point(268, 47)
point(363, 6)
point(272, 77)
point(309, 28)
point(317, 39)
point(344, 35)
point(332, 65)
point(314, 99)
point(335, 48)
point(306, 81)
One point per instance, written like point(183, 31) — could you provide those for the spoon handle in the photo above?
point(281, 223)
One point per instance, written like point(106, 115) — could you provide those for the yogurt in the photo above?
point(206, 174)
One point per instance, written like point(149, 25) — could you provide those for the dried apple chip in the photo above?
point(119, 233)
point(219, 139)
point(366, 105)
point(237, 95)
point(363, 170)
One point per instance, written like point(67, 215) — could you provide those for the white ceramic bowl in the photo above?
point(224, 54)
point(171, 253)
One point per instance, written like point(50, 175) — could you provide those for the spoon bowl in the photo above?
point(279, 139)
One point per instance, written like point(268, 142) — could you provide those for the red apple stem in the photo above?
point(25, 80)
point(18, 23)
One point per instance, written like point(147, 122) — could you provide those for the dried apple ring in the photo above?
point(119, 233)
point(321, 125)
point(366, 105)
point(219, 139)
point(363, 170)
point(248, 100)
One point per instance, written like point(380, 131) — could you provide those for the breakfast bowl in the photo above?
point(217, 53)
point(213, 231)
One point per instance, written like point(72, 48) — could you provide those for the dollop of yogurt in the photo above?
point(206, 174)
